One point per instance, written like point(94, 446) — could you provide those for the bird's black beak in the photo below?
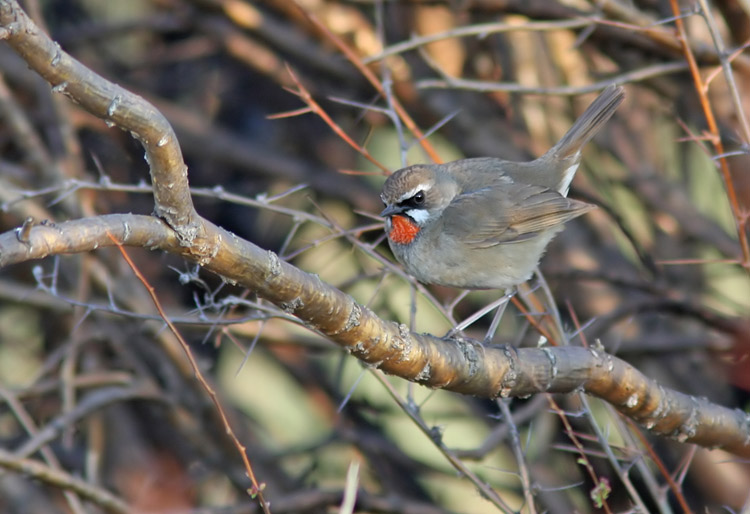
point(391, 210)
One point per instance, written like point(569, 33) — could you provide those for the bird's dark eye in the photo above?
point(419, 198)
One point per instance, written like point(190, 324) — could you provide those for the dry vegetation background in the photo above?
point(94, 387)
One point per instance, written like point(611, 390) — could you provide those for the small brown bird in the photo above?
point(484, 223)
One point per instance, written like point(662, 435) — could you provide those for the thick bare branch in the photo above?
point(456, 364)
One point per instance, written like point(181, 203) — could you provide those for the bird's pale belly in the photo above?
point(452, 264)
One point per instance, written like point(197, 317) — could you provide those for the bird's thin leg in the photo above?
point(500, 303)
point(496, 318)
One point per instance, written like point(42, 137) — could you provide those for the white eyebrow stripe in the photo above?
point(421, 187)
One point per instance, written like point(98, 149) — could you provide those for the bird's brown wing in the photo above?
point(508, 214)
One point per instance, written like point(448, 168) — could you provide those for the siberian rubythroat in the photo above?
point(484, 223)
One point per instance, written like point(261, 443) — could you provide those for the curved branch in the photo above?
point(456, 364)
point(116, 106)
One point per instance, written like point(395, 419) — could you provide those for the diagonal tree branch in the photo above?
point(456, 364)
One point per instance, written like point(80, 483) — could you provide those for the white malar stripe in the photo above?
point(419, 215)
point(412, 192)
point(567, 177)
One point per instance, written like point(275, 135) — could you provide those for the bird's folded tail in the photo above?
point(590, 122)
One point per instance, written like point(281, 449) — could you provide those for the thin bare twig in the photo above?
point(64, 481)
point(370, 76)
point(487, 491)
point(740, 217)
point(257, 490)
point(638, 75)
point(481, 30)
point(315, 108)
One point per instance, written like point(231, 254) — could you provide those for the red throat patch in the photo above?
point(403, 230)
